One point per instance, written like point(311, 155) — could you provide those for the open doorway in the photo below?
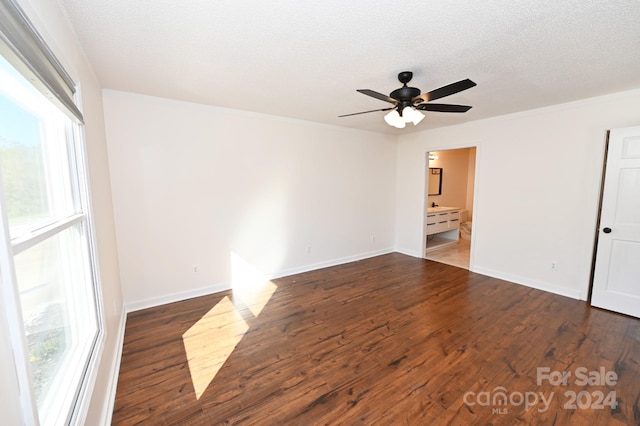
point(449, 200)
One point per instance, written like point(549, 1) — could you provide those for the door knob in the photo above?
point(606, 230)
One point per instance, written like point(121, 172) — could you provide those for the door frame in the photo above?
point(598, 217)
point(476, 194)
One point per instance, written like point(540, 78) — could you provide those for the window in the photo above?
point(49, 275)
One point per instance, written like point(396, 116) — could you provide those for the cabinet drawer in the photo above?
point(454, 223)
point(431, 228)
point(454, 215)
point(434, 228)
point(431, 219)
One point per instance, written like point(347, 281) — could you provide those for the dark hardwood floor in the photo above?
point(387, 340)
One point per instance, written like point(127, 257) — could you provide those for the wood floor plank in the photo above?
point(387, 340)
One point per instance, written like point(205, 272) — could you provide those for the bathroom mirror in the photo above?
point(435, 181)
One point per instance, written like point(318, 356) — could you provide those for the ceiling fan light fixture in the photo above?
point(392, 118)
point(400, 124)
point(395, 119)
point(412, 115)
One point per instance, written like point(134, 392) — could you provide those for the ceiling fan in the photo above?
point(408, 102)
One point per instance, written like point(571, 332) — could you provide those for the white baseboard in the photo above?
point(329, 263)
point(216, 288)
point(110, 400)
point(528, 282)
point(408, 252)
point(516, 279)
point(176, 297)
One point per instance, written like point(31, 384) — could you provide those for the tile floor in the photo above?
point(455, 254)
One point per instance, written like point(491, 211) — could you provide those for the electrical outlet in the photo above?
point(195, 269)
point(554, 266)
point(373, 238)
point(308, 249)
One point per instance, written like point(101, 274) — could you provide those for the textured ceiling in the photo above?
point(305, 59)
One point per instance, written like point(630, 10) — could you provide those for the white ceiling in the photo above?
point(305, 59)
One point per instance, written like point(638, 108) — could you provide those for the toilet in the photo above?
point(465, 225)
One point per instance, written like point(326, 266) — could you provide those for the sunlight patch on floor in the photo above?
point(249, 285)
point(210, 341)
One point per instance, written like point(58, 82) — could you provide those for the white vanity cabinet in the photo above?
point(442, 227)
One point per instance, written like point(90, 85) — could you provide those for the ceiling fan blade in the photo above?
point(366, 112)
point(377, 95)
point(443, 107)
point(447, 90)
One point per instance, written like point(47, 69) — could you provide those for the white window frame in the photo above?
point(11, 248)
point(10, 296)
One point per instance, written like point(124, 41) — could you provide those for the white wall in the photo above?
point(538, 181)
point(53, 26)
point(194, 184)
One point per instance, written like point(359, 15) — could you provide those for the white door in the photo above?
point(616, 282)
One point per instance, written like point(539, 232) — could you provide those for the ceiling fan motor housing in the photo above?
point(405, 94)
